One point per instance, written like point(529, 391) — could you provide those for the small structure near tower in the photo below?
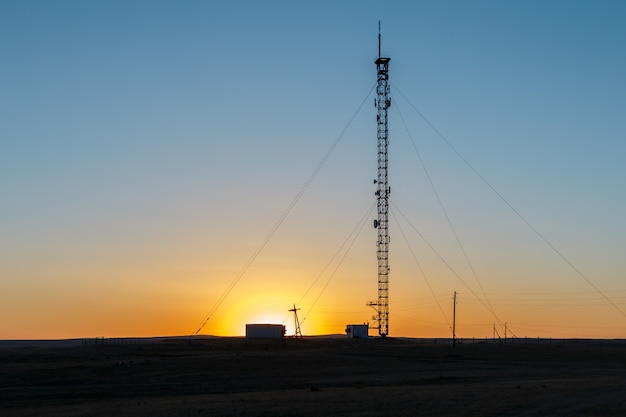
point(265, 331)
point(357, 331)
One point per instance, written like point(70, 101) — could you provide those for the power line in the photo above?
point(358, 230)
point(444, 211)
point(446, 263)
point(357, 227)
point(419, 266)
point(539, 234)
point(282, 218)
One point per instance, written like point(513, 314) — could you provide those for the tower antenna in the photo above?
point(379, 39)
point(383, 102)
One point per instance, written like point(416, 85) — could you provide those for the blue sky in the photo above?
point(149, 146)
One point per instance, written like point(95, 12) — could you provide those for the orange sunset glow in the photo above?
point(156, 170)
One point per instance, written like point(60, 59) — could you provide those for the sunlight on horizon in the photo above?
point(156, 169)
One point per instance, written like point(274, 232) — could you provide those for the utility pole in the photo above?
point(297, 333)
point(454, 321)
point(496, 332)
point(383, 102)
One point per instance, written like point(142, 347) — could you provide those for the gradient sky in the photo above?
point(148, 147)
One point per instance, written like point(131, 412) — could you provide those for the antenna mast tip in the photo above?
point(379, 39)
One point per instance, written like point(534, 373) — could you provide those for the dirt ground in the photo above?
point(315, 377)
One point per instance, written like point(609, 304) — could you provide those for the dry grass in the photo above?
point(314, 377)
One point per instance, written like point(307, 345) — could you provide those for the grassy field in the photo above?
point(314, 377)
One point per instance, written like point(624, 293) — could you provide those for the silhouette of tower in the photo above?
point(383, 102)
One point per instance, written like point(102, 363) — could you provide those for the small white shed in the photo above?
point(265, 331)
point(357, 331)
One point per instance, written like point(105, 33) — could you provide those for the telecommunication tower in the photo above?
point(383, 102)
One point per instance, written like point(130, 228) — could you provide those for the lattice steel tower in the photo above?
point(383, 102)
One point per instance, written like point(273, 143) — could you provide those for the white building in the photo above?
point(357, 331)
point(265, 331)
